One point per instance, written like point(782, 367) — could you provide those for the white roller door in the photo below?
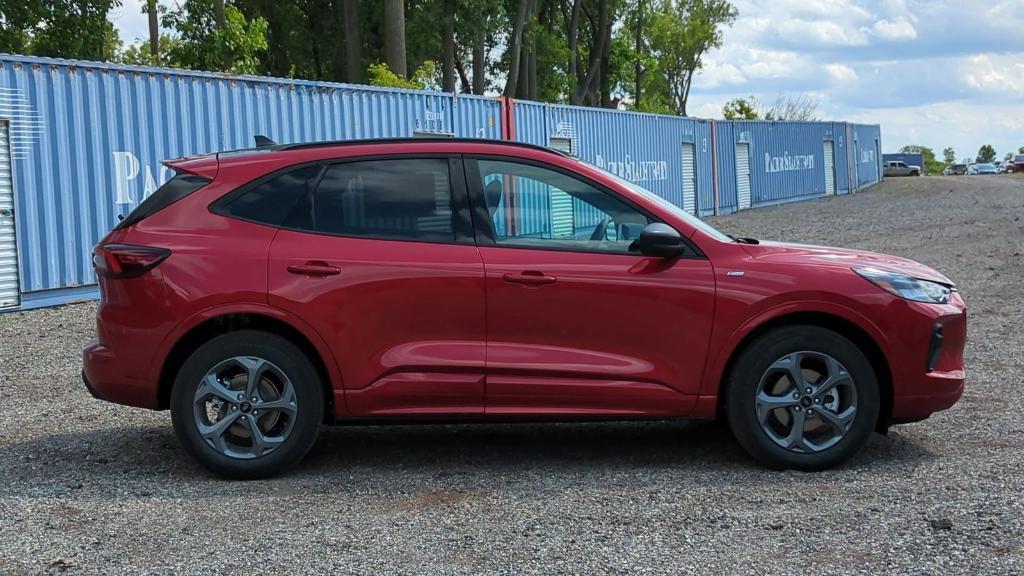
point(8, 247)
point(689, 179)
point(830, 170)
point(743, 175)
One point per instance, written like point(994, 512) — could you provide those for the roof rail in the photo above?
point(446, 140)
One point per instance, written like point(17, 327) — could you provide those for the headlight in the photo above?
point(906, 287)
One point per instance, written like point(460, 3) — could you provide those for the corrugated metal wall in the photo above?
point(867, 156)
point(909, 159)
point(787, 159)
point(643, 148)
point(88, 138)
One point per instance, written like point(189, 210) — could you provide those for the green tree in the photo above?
point(236, 46)
point(931, 164)
point(682, 31)
point(949, 155)
point(986, 154)
point(426, 77)
point(741, 109)
point(76, 29)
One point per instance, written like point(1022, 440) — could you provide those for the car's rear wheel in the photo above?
point(802, 397)
point(247, 404)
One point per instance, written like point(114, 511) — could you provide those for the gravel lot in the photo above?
point(88, 487)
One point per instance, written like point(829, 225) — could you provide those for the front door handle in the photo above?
point(316, 268)
point(529, 278)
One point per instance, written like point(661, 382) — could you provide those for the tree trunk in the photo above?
point(573, 34)
point(219, 19)
point(466, 87)
point(154, 32)
point(638, 72)
point(353, 44)
point(532, 68)
point(448, 45)
point(480, 63)
point(606, 77)
point(394, 36)
point(584, 87)
point(516, 49)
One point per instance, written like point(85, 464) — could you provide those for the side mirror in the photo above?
point(660, 240)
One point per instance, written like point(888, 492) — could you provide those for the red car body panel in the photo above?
point(412, 313)
point(416, 329)
point(585, 343)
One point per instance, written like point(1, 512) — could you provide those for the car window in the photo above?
point(400, 199)
point(555, 211)
point(272, 200)
point(178, 187)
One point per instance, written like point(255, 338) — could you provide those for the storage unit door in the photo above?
point(743, 174)
point(830, 170)
point(689, 179)
point(8, 246)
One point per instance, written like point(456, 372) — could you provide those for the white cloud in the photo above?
point(840, 72)
point(995, 74)
point(900, 29)
point(932, 72)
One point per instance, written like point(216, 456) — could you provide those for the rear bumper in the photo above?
point(101, 374)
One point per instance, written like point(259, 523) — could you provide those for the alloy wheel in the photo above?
point(245, 407)
point(806, 402)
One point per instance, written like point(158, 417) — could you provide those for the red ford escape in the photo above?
point(259, 294)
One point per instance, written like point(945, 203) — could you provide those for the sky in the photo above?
point(935, 73)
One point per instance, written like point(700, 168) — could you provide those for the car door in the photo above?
point(578, 324)
point(379, 258)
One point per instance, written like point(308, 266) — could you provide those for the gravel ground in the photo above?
point(92, 488)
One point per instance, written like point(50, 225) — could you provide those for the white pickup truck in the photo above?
point(900, 168)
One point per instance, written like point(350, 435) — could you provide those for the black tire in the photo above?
point(309, 403)
point(755, 360)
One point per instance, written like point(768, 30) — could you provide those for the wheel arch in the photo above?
point(838, 324)
point(211, 325)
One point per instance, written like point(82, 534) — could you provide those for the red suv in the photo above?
point(259, 294)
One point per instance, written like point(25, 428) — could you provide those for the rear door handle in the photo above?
point(314, 268)
point(529, 278)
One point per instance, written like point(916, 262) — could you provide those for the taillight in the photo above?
point(125, 260)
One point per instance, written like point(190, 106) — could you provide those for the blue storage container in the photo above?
point(669, 155)
point(916, 159)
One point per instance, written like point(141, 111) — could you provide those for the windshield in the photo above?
point(675, 210)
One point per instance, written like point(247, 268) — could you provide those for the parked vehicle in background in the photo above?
point(956, 170)
point(260, 294)
point(1016, 164)
point(982, 169)
point(900, 168)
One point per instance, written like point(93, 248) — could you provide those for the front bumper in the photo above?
point(101, 374)
point(928, 369)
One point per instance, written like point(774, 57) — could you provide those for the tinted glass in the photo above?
point(271, 201)
point(173, 190)
point(556, 210)
point(406, 199)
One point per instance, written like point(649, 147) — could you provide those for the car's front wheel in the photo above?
point(802, 397)
point(247, 404)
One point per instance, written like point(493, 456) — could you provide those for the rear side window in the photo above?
point(173, 190)
point(407, 199)
point(271, 201)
